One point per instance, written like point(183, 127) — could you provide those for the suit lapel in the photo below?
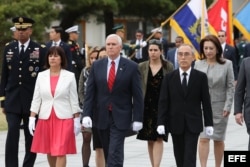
point(119, 73)
point(177, 82)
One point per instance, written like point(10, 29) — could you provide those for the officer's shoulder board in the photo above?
point(7, 44)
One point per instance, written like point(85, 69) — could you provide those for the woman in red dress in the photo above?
point(55, 101)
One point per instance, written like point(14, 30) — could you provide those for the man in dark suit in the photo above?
point(139, 52)
point(184, 99)
point(172, 53)
point(22, 61)
point(229, 52)
point(114, 100)
point(55, 37)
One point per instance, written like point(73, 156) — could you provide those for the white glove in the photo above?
point(32, 124)
point(77, 125)
point(136, 126)
point(87, 122)
point(161, 130)
point(209, 130)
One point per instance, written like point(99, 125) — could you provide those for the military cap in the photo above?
point(13, 28)
point(22, 22)
point(57, 29)
point(118, 28)
point(158, 29)
point(72, 29)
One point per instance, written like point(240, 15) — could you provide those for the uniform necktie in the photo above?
point(184, 82)
point(111, 77)
point(21, 54)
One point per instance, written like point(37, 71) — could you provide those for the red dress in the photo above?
point(54, 136)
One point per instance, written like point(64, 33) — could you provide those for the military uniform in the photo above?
point(19, 72)
point(77, 59)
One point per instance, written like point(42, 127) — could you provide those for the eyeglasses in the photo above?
point(185, 54)
point(221, 35)
point(155, 41)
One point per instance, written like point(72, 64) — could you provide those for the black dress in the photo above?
point(148, 132)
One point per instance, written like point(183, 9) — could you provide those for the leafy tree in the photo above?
point(41, 11)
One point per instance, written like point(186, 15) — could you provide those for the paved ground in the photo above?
point(136, 151)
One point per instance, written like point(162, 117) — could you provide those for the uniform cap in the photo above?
point(158, 29)
point(72, 29)
point(118, 28)
point(13, 28)
point(22, 22)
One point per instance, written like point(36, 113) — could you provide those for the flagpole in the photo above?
point(162, 24)
point(230, 13)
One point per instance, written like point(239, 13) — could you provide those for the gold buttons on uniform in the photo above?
point(20, 69)
point(20, 76)
point(20, 83)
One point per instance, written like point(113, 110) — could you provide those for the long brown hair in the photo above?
point(216, 42)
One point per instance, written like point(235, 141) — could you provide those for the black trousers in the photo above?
point(185, 148)
point(12, 141)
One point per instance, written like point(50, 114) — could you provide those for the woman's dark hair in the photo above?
point(216, 42)
point(56, 50)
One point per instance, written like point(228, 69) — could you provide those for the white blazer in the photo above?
point(65, 100)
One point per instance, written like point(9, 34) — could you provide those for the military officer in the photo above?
point(120, 31)
point(77, 57)
point(22, 61)
point(55, 40)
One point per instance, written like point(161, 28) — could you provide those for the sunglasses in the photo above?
point(155, 41)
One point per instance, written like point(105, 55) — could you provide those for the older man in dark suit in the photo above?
point(184, 103)
point(242, 96)
point(114, 99)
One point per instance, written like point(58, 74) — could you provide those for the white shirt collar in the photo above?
point(26, 44)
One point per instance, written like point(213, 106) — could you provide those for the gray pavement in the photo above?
point(136, 151)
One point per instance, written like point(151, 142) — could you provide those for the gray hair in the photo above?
point(191, 47)
point(119, 40)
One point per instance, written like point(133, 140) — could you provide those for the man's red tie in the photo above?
point(111, 77)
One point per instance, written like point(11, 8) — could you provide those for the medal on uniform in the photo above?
point(31, 68)
point(36, 69)
point(33, 74)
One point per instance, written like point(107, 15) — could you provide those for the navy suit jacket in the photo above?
point(180, 112)
point(126, 96)
point(67, 51)
point(171, 56)
point(230, 54)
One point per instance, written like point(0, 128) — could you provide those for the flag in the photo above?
point(242, 22)
point(191, 22)
point(220, 18)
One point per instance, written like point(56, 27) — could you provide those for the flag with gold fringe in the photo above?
point(191, 22)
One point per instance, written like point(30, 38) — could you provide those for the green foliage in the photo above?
point(41, 11)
